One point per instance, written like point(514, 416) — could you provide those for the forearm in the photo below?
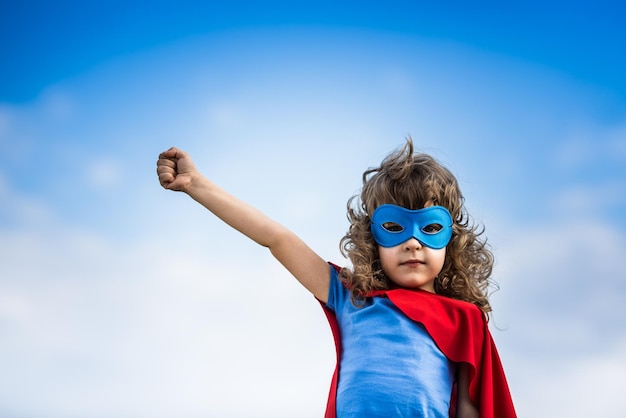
point(234, 212)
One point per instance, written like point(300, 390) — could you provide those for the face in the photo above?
point(412, 243)
point(412, 265)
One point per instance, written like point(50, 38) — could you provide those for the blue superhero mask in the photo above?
point(392, 225)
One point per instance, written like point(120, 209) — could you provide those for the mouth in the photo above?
point(412, 263)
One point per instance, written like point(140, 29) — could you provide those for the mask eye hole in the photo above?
point(432, 228)
point(392, 227)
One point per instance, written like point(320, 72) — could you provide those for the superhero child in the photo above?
point(409, 317)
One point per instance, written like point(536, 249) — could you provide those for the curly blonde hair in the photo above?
point(413, 180)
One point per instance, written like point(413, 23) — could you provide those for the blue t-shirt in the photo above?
point(390, 366)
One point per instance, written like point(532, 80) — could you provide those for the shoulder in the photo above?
point(458, 303)
point(335, 267)
point(469, 309)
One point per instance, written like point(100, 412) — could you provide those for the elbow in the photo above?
point(277, 240)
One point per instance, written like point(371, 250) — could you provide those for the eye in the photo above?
point(392, 227)
point(432, 228)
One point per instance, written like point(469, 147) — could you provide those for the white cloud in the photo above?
point(589, 386)
point(26, 129)
point(153, 330)
point(20, 209)
point(57, 104)
point(225, 116)
point(553, 258)
point(590, 200)
point(104, 173)
point(587, 145)
point(617, 143)
point(561, 302)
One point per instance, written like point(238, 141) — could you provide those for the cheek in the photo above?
point(442, 257)
point(438, 257)
point(388, 258)
point(383, 256)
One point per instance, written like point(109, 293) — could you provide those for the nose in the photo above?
point(412, 244)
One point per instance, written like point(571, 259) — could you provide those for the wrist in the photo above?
point(197, 184)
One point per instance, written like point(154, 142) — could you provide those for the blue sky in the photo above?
point(118, 298)
point(582, 39)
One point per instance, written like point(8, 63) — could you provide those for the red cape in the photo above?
point(460, 331)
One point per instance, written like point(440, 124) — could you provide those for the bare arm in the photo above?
point(465, 408)
point(177, 172)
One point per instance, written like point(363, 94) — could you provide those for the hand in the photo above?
point(466, 410)
point(175, 169)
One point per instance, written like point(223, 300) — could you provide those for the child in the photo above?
point(409, 318)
